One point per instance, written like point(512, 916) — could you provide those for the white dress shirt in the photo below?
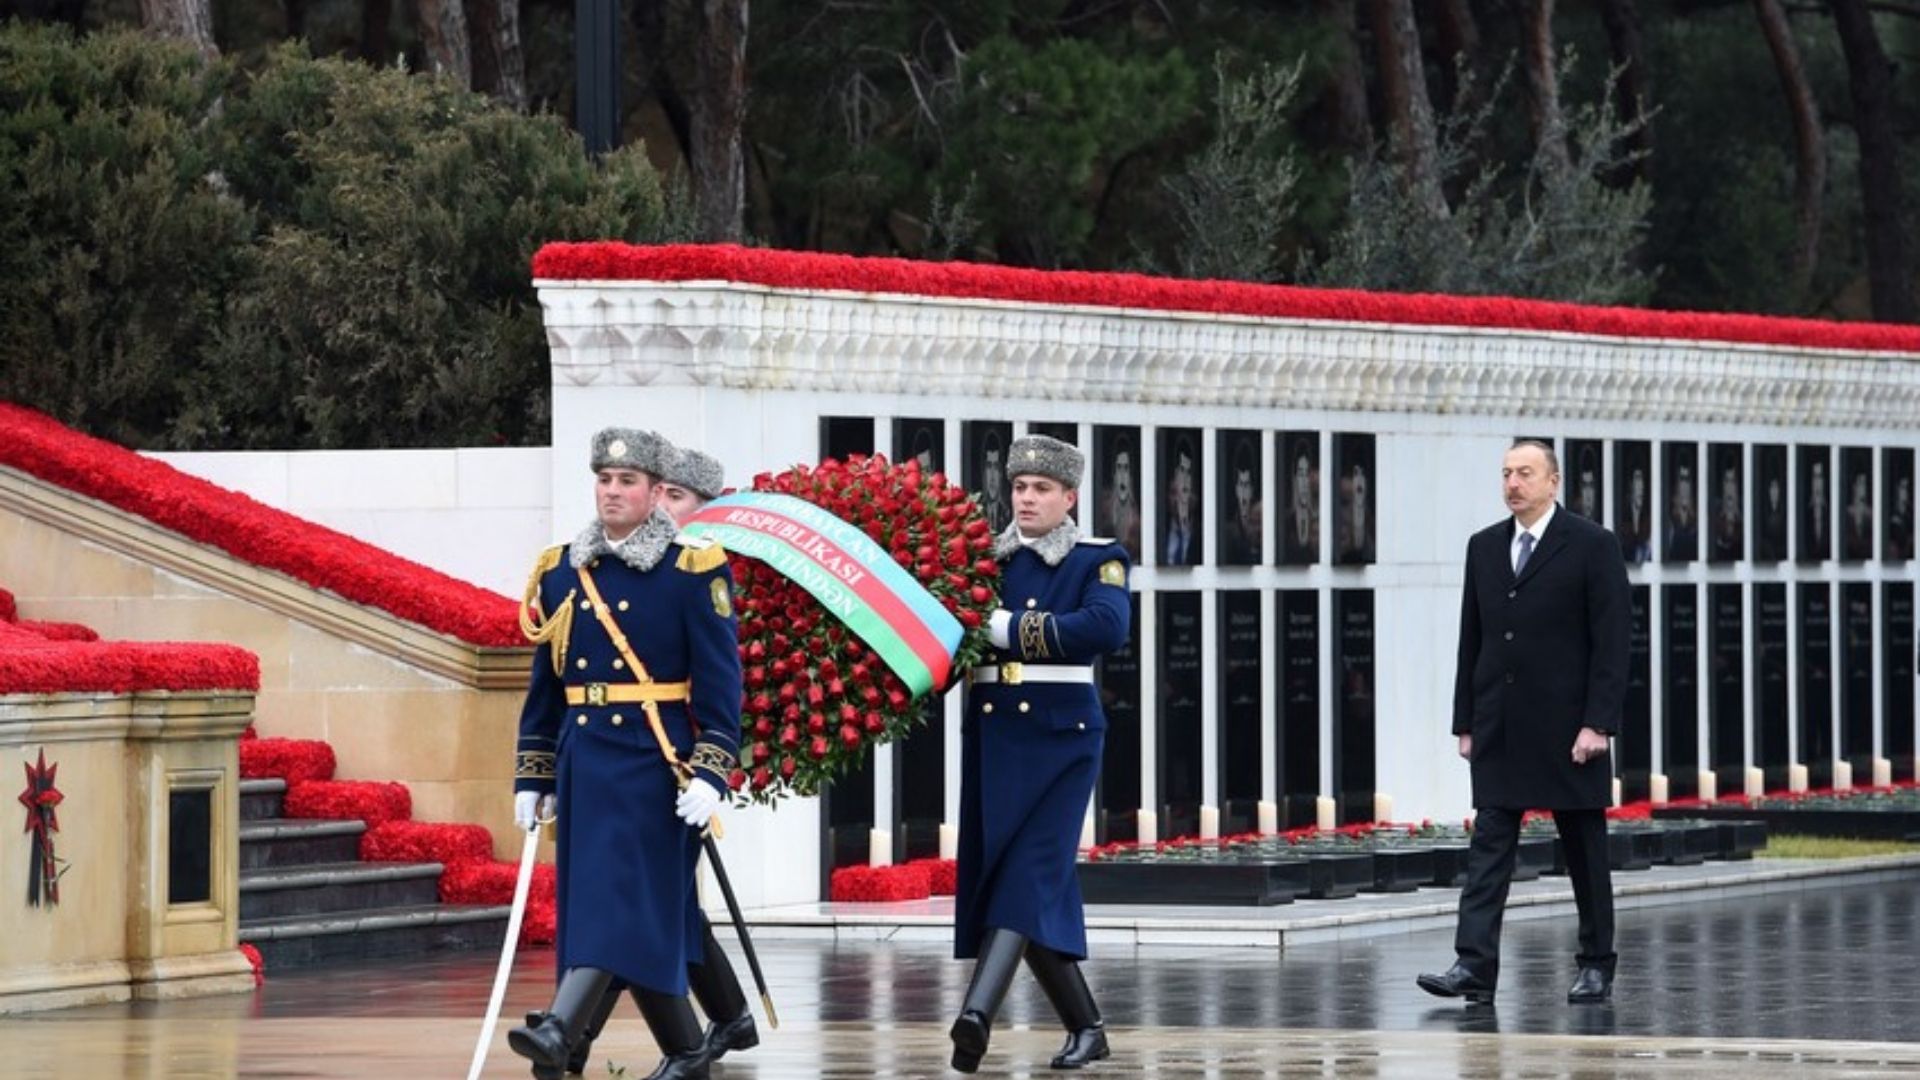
point(1538, 529)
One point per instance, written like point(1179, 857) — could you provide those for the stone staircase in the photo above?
point(306, 898)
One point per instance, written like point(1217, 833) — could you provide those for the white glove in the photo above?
point(997, 626)
point(697, 802)
point(530, 808)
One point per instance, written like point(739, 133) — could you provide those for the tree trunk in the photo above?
point(1632, 94)
point(1870, 79)
point(499, 63)
point(1543, 85)
point(1809, 149)
point(1460, 40)
point(1346, 97)
point(376, 31)
point(1403, 88)
point(718, 111)
point(443, 29)
point(190, 21)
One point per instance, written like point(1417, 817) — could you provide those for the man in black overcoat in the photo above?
point(1538, 693)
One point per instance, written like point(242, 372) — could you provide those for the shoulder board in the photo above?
point(691, 540)
point(707, 557)
point(1100, 541)
point(549, 559)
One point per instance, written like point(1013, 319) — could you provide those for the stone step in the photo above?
point(326, 888)
point(262, 799)
point(287, 842)
point(306, 941)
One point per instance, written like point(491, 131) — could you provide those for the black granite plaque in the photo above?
point(1726, 687)
point(1240, 710)
point(1118, 791)
point(1816, 682)
point(847, 804)
point(1116, 486)
point(1353, 730)
point(1769, 516)
point(1680, 508)
point(1356, 490)
point(189, 845)
point(1298, 764)
point(1065, 430)
point(1772, 708)
point(1180, 537)
point(1857, 678)
point(1633, 750)
point(983, 449)
point(1896, 503)
point(1297, 494)
point(1898, 636)
point(1179, 689)
point(843, 436)
point(1726, 512)
point(1680, 697)
point(1633, 499)
point(1239, 505)
point(1813, 489)
point(1584, 468)
point(924, 441)
point(1856, 505)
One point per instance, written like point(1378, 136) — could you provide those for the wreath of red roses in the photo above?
point(816, 698)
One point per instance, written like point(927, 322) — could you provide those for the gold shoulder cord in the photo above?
point(535, 625)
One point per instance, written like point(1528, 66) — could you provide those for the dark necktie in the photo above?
point(1526, 552)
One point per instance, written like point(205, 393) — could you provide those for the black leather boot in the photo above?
point(583, 1052)
point(992, 973)
point(677, 1030)
point(717, 989)
point(548, 1038)
point(1066, 988)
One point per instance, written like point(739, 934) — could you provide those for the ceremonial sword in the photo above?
point(521, 886)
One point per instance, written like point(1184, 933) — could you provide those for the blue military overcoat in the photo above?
point(1030, 751)
point(626, 862)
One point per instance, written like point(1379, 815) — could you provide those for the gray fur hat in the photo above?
point(695, 471)
point(627, 448)
point(1043, 455)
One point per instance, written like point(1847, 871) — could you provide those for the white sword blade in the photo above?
point(521, 886)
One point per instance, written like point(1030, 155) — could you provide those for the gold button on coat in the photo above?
point(622, 605)
point(581, 663)
point(618, 720)
point(1032, 603)
point(1024, 707)
point(619, 664)
point(586, 605)
point(987, 708)
point(582, 721)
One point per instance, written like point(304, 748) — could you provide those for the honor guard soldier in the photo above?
point(629, 734)
point(1030, 748)
point(689, 480)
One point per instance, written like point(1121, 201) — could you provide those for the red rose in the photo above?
point(763, 729)
point(986, 568)
point(969, 618)
point(815, 696)
point(850, 736)
point(816, 723)
point(787, 768)
point(875, 723)
point(789, 736)
point(980, 594)
point(818, 747)
point(761, 778)
point(736, 780)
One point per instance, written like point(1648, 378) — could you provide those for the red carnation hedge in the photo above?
point(879, 884)
point(492, 883)
point(296, 761)
point(816, 697)
point(253, 961)
point(421, 841)
point(611, 261)
point(343, 800)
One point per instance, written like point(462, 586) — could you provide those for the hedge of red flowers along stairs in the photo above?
point(39, 446)
point(609, 261)
point(57, 658)
point(472, 875)
point(916, 880)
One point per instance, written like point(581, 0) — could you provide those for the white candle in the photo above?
point(1086, 830)
point(1324, 813)
point(1796, 778)
point(1148, 828)
point(1756, 782)
point(1269, 818)
point(1209, 823)
point(1882, 772)
point(1709, 786)
point(1616, 791)
point(1382, 807)
point(949, 841)
point(1842, 775)
point(879, 847)
point(1657, 789)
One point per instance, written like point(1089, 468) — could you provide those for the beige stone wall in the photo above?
point(396, 702)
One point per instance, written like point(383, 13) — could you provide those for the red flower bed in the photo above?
point(492, 883)
point(608, 261)
point(880, 884)
point(253, 960)
point(252, 531)
point(816, 697)
point(941, 875)
point(294, 760)
point(346, 800)
point(31, 663)
point(421, 841)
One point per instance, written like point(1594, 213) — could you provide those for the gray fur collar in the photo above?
point(1051, 548)
point(641, 550)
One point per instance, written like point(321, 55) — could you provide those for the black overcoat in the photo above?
point(1541, 656)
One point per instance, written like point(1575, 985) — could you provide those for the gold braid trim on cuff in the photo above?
point(533, 765)
point(713, 759)
point(1033, 635)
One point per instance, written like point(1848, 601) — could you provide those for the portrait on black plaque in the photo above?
point(1769, 502)
point(984, 446)
point(1298, 464)
point(1353, 522)
point(1726, 517)
point(1814, 487)
point(1585, 475)
point(1180, 533)
point(1896, 479)
point(924, 441)
point(1633, 500)
point(1116, 453)
point(1240, 505)
point(1680, 528)
point(1856, 512)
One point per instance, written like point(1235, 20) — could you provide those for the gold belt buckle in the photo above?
point(1011, 674)
point(596, 693)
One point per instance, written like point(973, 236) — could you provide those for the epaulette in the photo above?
point(699, 554)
